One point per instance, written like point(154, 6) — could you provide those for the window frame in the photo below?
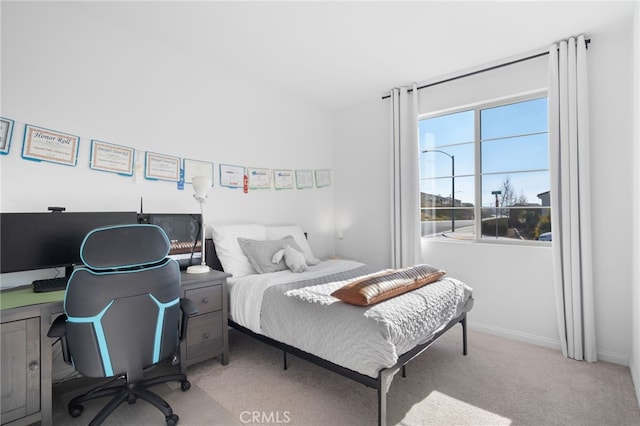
point(477, 107)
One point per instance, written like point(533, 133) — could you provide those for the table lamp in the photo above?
point(201, 186)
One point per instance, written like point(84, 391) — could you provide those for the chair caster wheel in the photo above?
point(172, 420)
point(185, 386)
point(75, 410)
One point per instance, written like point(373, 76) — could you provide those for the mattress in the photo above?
point(298, 309)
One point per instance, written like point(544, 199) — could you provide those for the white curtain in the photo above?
point(570, 199)
point(405, 214)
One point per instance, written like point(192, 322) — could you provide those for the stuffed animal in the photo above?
point(292, 258)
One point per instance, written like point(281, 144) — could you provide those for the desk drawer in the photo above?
point(207, 299)
point(204, 334)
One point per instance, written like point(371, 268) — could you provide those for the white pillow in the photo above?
point(279, 232)
point(232, 258)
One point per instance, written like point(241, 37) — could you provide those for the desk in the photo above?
point(26, 350)
point(26, 355)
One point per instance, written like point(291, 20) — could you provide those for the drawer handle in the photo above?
point(205, 300)
point(33, 365)
point(205, 336)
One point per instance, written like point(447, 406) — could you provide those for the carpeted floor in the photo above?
point(194, 407)
point(500, 382)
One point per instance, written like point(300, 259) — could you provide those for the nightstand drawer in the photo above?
point(205, 334)
point(207, 299)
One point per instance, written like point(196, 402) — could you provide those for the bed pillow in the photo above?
point(387, 284)
point(232, 258)
point(278, 232)
point(260, 253)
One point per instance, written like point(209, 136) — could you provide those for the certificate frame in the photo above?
point(231, 176)
point(283, 179)
point(161, 167)
point(6, 133)
point(323, 178)
point(259, 178)
point(41, 144)
point(304, 179)
point(109, 157)
point(193, 168)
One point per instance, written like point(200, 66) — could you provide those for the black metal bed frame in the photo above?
point(385, 376)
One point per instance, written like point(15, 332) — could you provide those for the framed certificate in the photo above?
point(304, 179)
point(112, 158)
point(231, 176)
point(193, 168)
point(6, 131)
point(161, 167)
point(258, 178)
point(323, 178)
point(42, 144)
point(283, 179)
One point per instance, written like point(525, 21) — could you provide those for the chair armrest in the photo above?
point(59, 329)
point(188, 309)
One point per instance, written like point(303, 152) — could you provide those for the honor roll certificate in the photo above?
point(48, 145)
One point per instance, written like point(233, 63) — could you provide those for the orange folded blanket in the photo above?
point(376, 288)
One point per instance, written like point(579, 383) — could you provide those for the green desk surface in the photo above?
point(24, 296)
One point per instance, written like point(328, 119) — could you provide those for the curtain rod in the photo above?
point(515, 61)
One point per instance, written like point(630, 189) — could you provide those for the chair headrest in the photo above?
point(122, 246)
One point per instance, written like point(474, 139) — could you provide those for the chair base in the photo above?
point(129, 392)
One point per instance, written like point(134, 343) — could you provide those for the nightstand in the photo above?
point(207, 334)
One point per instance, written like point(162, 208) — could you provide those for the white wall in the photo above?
point(65, 72)
point(362, 174)
point(634, 363)
point(513, 288)
point(611, 83)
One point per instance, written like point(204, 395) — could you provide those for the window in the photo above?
point(484, 172)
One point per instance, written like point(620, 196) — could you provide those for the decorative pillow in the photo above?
point(260, 253)
point(376, 288)
point(225, 238)
point(292, 257)
point(277, 232)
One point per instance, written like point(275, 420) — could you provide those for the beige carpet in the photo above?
point(194, 407)
point(500, 382)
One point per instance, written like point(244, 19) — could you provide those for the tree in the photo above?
point(508, 196)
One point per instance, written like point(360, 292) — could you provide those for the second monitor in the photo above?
point(183, 230)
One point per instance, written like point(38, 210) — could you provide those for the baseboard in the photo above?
point(544, 341)
point(613, 358)
point(635, 378)
point(515, 335)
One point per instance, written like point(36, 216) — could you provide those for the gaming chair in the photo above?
point(123, 315)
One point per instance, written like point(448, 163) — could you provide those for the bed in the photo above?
point(301, 314)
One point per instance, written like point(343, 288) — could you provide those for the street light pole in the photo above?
point(453, 185)
point(496, 193)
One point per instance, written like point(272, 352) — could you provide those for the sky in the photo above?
point(514, 144)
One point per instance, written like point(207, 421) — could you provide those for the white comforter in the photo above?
point(362, 339)
point(245, 293)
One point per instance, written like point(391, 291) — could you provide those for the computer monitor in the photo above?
point(30, 241)
point(183, 230)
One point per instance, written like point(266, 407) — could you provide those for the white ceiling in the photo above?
point(340, 53)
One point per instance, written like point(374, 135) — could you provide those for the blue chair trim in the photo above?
point(160, 322)
point(102, 342)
